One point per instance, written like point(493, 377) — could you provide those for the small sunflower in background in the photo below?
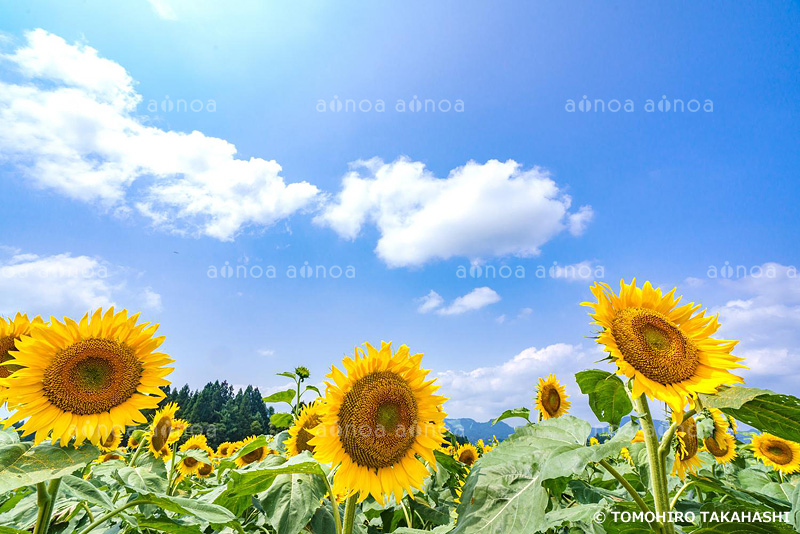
point(112, 442)
point(11, 331)
point(467, 454)
point(163, 431)
point(188, 464)
point(639, 437)
point(256, 455)
point(625, 453)
point(109, 457)
point(667, 350)
point(300, 433)
point(377, 419)
point(205, 470)
point(224, 449)
point(85, 379)
point(593, 441)
point(136, 437)
point(780, 454)
point(551, 398)
point(687, 447)
point(720, 444)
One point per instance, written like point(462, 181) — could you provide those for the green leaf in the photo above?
point(83, 490)
point(281, 396)
point(23, 465)
point(8, 436)
point(255, 481)
point(583, 514)
point(11, 530)
point(524, 413)
point(281, 420)
point(141, 480)
point(212, 513)
point(608, 398)
point(287, 374)
point(448, 462)
point(164, 524)
point(773, 413)
point(291, 500)
point(314, 388)
point(732, 397)
point(566, 428)
point(794, 515)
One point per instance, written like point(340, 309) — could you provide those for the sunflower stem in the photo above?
point(136, 453)
point(350, 514)
point(46, 501)
point(171, 475)
point(337, 520)
point(405, 513)
point(105, 517)
point(666, 439)
point(658, 472)
point(627, 485)
point(678, 495)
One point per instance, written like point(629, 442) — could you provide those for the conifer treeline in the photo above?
point(221, 414)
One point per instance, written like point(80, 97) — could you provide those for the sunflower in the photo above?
point(108, 457)
point(625, 453)
point(136, 438)
point(778, 453)
point(86, 379)
point(256, 455)
point(376, 419)
point(205, 470)
point(300, 431)
point(551, 400)
point(224, 449)
point(467, 454)
point(188, 464)
point(686, 449)
point(161, 429)
point(112, 442)
point(639, 437)
point(666, 350)
point(11, 331)
point(721, 446)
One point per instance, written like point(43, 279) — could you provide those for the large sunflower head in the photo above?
point(686, 447)
point(376, 419)
point(300, 431)
point(667, 350)
point(467, 454)
point(189, 464)
point(162, 432)
point(780, 454)
point(256, 455)
point(551, 399)
point(86, 379)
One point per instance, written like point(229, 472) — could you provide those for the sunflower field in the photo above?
point(89, 446)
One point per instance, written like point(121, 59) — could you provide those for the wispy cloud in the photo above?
point(474, 300)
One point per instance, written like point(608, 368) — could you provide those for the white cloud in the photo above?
point(474, 300)
point(266, 352)
point(764, 314)
point(73, 129)
point(491, 209)
point(163, 9)
point(64, 284)
point(485, 392)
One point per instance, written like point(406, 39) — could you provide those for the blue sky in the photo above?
point(105, 184)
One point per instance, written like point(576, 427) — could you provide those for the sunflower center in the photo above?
point(654, 346)
point(378, 420)
point(161, 432)
point(7, 344)
point(304, 435)
point(688, 430)
point(467, 457)
point(92, 376)
point(778, 452)
point(205, 469)
point(253, 456)
point(551, 400)
point(718, 448)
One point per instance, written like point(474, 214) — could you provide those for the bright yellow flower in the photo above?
point(780, 454)
point(189, 465)
point(377, 418)
point(467, 454)
point(253, 456)
point(112, 442)
point(665, 349)
point(11, 331)
point(626, 455)
point(162, 430)
point(639, 437)
point(686, 460)
point(224, 449)
point(301, 431)
point(551, 399)
point(593, 441)
point(84, 380)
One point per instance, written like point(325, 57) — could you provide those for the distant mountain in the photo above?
point(473, 430)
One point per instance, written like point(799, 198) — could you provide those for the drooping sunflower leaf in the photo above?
point(141, 480)
point(732, 397)
point(608, 398)
point(281, 396)
point(204, 511)
point(566, 428)
point(23, 465)
point(773, 413)
point(524, 413)
point(86, 491)
point(281, 420)
point(292, 499)
point(255, 481)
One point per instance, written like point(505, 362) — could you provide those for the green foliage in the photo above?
point(608, 398)
point(22, 465)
